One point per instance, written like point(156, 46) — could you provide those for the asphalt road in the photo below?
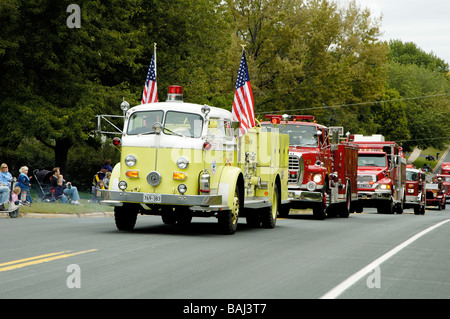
point(299, 258)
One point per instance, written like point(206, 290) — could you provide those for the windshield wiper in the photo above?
point(172, 132)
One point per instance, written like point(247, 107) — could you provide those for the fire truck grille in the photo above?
point(364, 181)
point(294, 165)
point(430, 195)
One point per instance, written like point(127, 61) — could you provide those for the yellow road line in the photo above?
point(39, 259)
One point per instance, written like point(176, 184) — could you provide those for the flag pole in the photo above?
point(154, 54)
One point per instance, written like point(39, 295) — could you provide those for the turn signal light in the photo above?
point(179, 176)
point(132, 174)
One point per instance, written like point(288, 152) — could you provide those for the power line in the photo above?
point(426, 139)
point(357, 104)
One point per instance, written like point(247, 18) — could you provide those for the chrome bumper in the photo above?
point(117, 198)
point(299, 195)
point(383, 195)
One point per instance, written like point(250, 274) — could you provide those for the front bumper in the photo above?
point(117, 198)
point(304, 199)
point(412, 201)
point(374, 199)
point(382, 195)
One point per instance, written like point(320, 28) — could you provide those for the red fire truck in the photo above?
point(415, 190)
point(445, 184)
point(381, 174)
point(322, 173)
point(435, 194)
point(445, 168)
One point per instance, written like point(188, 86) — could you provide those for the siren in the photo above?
point(276, 119)
point(175, 93)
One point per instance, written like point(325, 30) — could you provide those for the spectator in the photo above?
point(68, 188)
point(59, 191)
point(24, 183)
point(15, 195)
point(108, 166)
point(97, 181)
point(54, 178)
point(106, 180)
point(5, 184)
point(5, 176)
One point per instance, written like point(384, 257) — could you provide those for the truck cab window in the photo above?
point(299, 135)
point(372, 160)
point(141, 122)
point(185, 124)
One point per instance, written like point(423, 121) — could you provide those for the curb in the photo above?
point(82, 215)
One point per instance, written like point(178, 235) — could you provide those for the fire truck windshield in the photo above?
point(174, 123)
point(299, 135)
point(412, 176)
point(378, 160)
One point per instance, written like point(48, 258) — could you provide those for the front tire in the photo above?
point(228, 220)
point(345, 210)
point(319, 211)
point(125, 217)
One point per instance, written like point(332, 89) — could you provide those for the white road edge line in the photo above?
point(339, 289)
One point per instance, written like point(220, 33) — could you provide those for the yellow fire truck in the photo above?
point(181, 160)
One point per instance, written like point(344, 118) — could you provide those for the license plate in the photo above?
point(152, 198)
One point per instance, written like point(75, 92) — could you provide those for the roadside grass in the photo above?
point(58, 208)
point(429, 151)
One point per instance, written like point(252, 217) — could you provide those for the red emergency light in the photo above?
point(276, 118)
point(303, 117)
point(175, 93)
point(175, 89)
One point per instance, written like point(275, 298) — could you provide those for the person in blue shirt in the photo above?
point(5, 184)
point(63, 190)
point(24, 183)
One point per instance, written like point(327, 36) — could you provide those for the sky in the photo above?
point(424, 22)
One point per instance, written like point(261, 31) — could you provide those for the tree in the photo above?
point(391, 117)
point(410, 53)
point(421, 80)
point(62, 74)
point(305, 56)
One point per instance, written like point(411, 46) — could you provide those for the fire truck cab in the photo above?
point(415, 190)
point(182, 160)
point(445, 168)
point(381, 174)
point(435, 194)
point(445, 178)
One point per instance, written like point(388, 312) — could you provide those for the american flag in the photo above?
point(243, 99)
point(150, 94)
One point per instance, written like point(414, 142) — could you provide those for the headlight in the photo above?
point(130, 160)
point(123, 185)
point(317, 178)
point(385, 186)
point(182, 162)
point(182, 188)
point(311, 186)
